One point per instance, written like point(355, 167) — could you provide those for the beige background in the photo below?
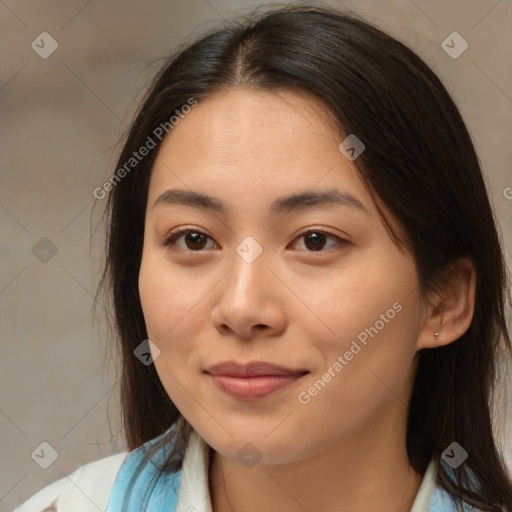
point(61, 118)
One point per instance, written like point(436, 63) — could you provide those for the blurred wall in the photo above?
point(61, 115)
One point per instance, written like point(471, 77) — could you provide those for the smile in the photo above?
point(253, 388)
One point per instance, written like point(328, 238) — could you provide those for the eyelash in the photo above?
point(170, 241)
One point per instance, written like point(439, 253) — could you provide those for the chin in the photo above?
point(252, 448)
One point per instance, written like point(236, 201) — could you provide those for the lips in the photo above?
point(233, 369)
point(254, 380)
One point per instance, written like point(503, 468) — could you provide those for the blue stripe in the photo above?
point(442, 501)
point(141, 486)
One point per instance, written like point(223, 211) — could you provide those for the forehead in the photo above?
point(284, 111)
point(241, 136)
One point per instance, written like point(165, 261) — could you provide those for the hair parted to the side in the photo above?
point(419, 161)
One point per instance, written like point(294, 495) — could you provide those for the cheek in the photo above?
point(167, 297)
point(175, 312)
point(169, 313)
point(373, 316)
point(359, 300)
point(373, 361)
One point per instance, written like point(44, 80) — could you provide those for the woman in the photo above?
point(307, 280)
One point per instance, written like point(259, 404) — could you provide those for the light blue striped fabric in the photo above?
point(141, 486)
point(441, 501)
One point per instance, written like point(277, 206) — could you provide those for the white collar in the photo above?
point(194, 495)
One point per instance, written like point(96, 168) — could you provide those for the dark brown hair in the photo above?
point(419, 161)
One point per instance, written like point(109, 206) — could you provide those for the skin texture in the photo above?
point(292, 306)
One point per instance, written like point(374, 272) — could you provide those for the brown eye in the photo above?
point(316, 240)
point(194, 240)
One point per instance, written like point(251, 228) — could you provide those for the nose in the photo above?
point(250, 301)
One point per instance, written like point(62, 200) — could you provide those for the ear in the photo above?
point(450, 311)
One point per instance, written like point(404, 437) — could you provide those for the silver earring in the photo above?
point(436, 334)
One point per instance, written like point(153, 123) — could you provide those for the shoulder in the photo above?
point(145, 480)
point(443, 501)
point(86, 489)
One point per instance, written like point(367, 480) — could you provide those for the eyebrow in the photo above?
point(293, 202)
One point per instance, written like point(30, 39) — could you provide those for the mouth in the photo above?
point(252, 381)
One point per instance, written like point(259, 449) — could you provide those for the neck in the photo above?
point(366, 474)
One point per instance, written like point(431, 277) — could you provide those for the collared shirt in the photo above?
point(134, 482)
point(194, 494)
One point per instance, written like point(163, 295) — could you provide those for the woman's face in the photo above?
point(315, 287)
